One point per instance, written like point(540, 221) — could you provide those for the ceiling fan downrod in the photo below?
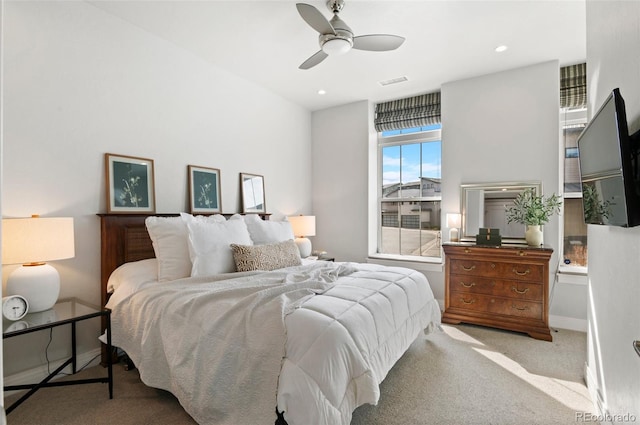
point(335, 6)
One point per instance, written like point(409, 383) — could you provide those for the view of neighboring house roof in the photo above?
point(426, 186)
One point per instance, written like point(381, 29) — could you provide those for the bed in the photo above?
point(300, 344)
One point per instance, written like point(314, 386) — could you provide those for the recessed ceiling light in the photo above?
point(501, 48)
point(321, 92)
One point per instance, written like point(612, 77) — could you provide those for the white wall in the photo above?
point(78, 83)
point(613, 369)
point(505, 127)
point(1, 156)
point(340, 186)
point(502, 127)
point(498, 127)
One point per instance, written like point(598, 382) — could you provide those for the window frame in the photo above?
point(413, 137)
point(569, 117)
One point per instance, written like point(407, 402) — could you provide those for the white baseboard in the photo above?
point(570, 323)
point(596, 396)
point(37, 374)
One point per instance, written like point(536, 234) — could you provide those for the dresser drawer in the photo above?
point(495, 305)
point(505, 270)
point(497, 287)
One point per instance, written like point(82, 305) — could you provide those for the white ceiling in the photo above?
point(265, 41)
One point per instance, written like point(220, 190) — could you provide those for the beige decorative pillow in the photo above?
point(266, 257)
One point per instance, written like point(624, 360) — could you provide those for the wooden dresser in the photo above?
point(504, 287)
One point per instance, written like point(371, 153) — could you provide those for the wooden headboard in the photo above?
point(124, 238)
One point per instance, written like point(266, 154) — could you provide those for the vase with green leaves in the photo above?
point(533, 211)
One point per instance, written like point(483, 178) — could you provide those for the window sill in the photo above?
point(431, 264)
point(572, 275)
point(573, 270)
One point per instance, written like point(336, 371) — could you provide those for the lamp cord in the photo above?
point(46, 351)
point(46, 356)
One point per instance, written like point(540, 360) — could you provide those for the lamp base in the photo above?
point(39, 284)
point(304, 246)
point(454, 235)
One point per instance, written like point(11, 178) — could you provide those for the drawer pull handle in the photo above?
point(524, 273)
point(517, 291)
point(467, 302)
point(468, 269)
point(522, 253)
point(467, 250)
point(467, 285)
point(526, 307)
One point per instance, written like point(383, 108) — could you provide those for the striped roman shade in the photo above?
point(573, 86)
point(414, 111)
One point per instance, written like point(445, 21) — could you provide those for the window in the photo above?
point(410, 170)
point(575, 231)
point(573, 118)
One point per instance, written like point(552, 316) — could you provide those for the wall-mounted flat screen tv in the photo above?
point(608, 158)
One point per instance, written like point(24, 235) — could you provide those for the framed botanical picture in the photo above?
point(252, 192)
point(204, 190)
point(130, 184)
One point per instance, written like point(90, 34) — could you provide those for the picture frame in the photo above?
point(130, 184)
point(252, 193)
point(204, 190)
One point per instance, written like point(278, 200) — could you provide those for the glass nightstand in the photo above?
point(67, 311)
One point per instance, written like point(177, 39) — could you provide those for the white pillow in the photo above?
point(135, 272)
point(215, 218)
point(209, 245)
point(267, 232)
point(169, 236)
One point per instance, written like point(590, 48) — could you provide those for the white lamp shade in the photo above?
point(36, 239)
point(31, 242)
point(454, 220)
point(303, 225)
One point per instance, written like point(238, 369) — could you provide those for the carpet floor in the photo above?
point(463, 375)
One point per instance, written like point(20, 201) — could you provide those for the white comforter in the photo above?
point(231, 349)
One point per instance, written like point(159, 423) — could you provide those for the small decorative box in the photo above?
point(489, 239)
point(489, 231)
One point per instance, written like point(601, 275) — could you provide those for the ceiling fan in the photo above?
point(336, 37)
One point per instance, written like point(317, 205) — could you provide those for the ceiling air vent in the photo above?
point(393, 81)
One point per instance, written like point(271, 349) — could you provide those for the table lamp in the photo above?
point(303, 226)
point(453, 223)
point(31, 242)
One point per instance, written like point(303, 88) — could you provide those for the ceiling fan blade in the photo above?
point(377, 42)
point(318, 57)
point(314, 18)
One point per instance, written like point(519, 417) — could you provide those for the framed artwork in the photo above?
point(252, 192)
point(204, 190)
point(130, 184)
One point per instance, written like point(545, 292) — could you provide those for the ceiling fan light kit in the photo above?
point(336, 37)
point(336, 46)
